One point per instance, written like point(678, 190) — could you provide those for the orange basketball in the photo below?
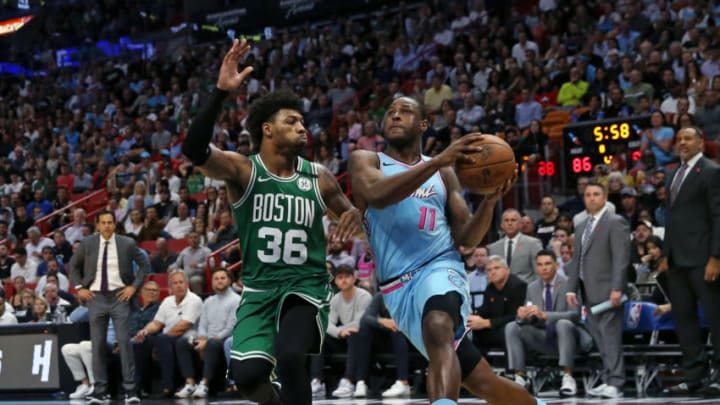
point(492, 167)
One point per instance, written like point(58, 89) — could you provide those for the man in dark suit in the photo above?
point(547, 325)
point(503, 296)
point(692, 249)
point(598, 270)
point(102, 271)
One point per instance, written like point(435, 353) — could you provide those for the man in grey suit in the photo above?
point(517, 249)
point(692, 249)
point(547, 325)
point(102, 272)
point(598, 271)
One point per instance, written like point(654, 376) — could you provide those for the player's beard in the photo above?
point(406, 139)
point(301, 150)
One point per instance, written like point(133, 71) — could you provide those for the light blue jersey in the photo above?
point(412, 233)
point(415, 254)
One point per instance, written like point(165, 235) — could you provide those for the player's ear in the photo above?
point(266, 129)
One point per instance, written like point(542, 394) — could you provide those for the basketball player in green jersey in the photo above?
point(278, 200)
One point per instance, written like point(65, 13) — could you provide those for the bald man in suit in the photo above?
point(692, 249)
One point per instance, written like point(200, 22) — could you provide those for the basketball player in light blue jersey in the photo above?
point(415, 217)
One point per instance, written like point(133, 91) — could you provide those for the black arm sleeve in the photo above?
point(197, 142)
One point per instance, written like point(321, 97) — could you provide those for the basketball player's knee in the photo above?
point(249, 374)
point(437, 327)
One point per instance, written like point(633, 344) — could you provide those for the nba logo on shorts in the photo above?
point(633, 316)
point(303, 184)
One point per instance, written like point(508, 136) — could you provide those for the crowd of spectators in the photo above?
point(498, 69)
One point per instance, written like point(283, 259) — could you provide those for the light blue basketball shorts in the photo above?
point(406, 296)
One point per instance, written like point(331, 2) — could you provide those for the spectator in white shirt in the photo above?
point(471, 113)
point(177, 318)
point(181, 225)
point(53, 271)
point(523, 45)
point(36, 243)
point(172, 179)
point(74, 232)
point(24, 266)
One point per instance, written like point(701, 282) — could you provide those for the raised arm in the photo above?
point(466, 229)
point(371, 188)
point(228, 166)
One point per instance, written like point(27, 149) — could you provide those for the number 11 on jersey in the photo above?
point(427, 217)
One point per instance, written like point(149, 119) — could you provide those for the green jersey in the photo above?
point(280, 227)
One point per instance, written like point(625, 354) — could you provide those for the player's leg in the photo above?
point(440, 318)
point(252, 379)
point(298, 335)
point(468, 364)
point(479, 378)
point(252, 353)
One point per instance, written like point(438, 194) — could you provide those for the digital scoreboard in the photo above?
point(590, 143)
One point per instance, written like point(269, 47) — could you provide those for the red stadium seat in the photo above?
point(177, 245)
point(9, 290)
point(149, 246)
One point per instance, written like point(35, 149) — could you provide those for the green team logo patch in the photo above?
point(304, 184)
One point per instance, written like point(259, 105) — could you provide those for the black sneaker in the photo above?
point(132, 399)
point(98, 398)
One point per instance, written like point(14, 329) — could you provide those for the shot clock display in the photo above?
point(590, 143)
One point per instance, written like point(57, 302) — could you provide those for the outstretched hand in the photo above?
point(230, 78)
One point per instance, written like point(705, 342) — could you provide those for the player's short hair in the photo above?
point(264, 109)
